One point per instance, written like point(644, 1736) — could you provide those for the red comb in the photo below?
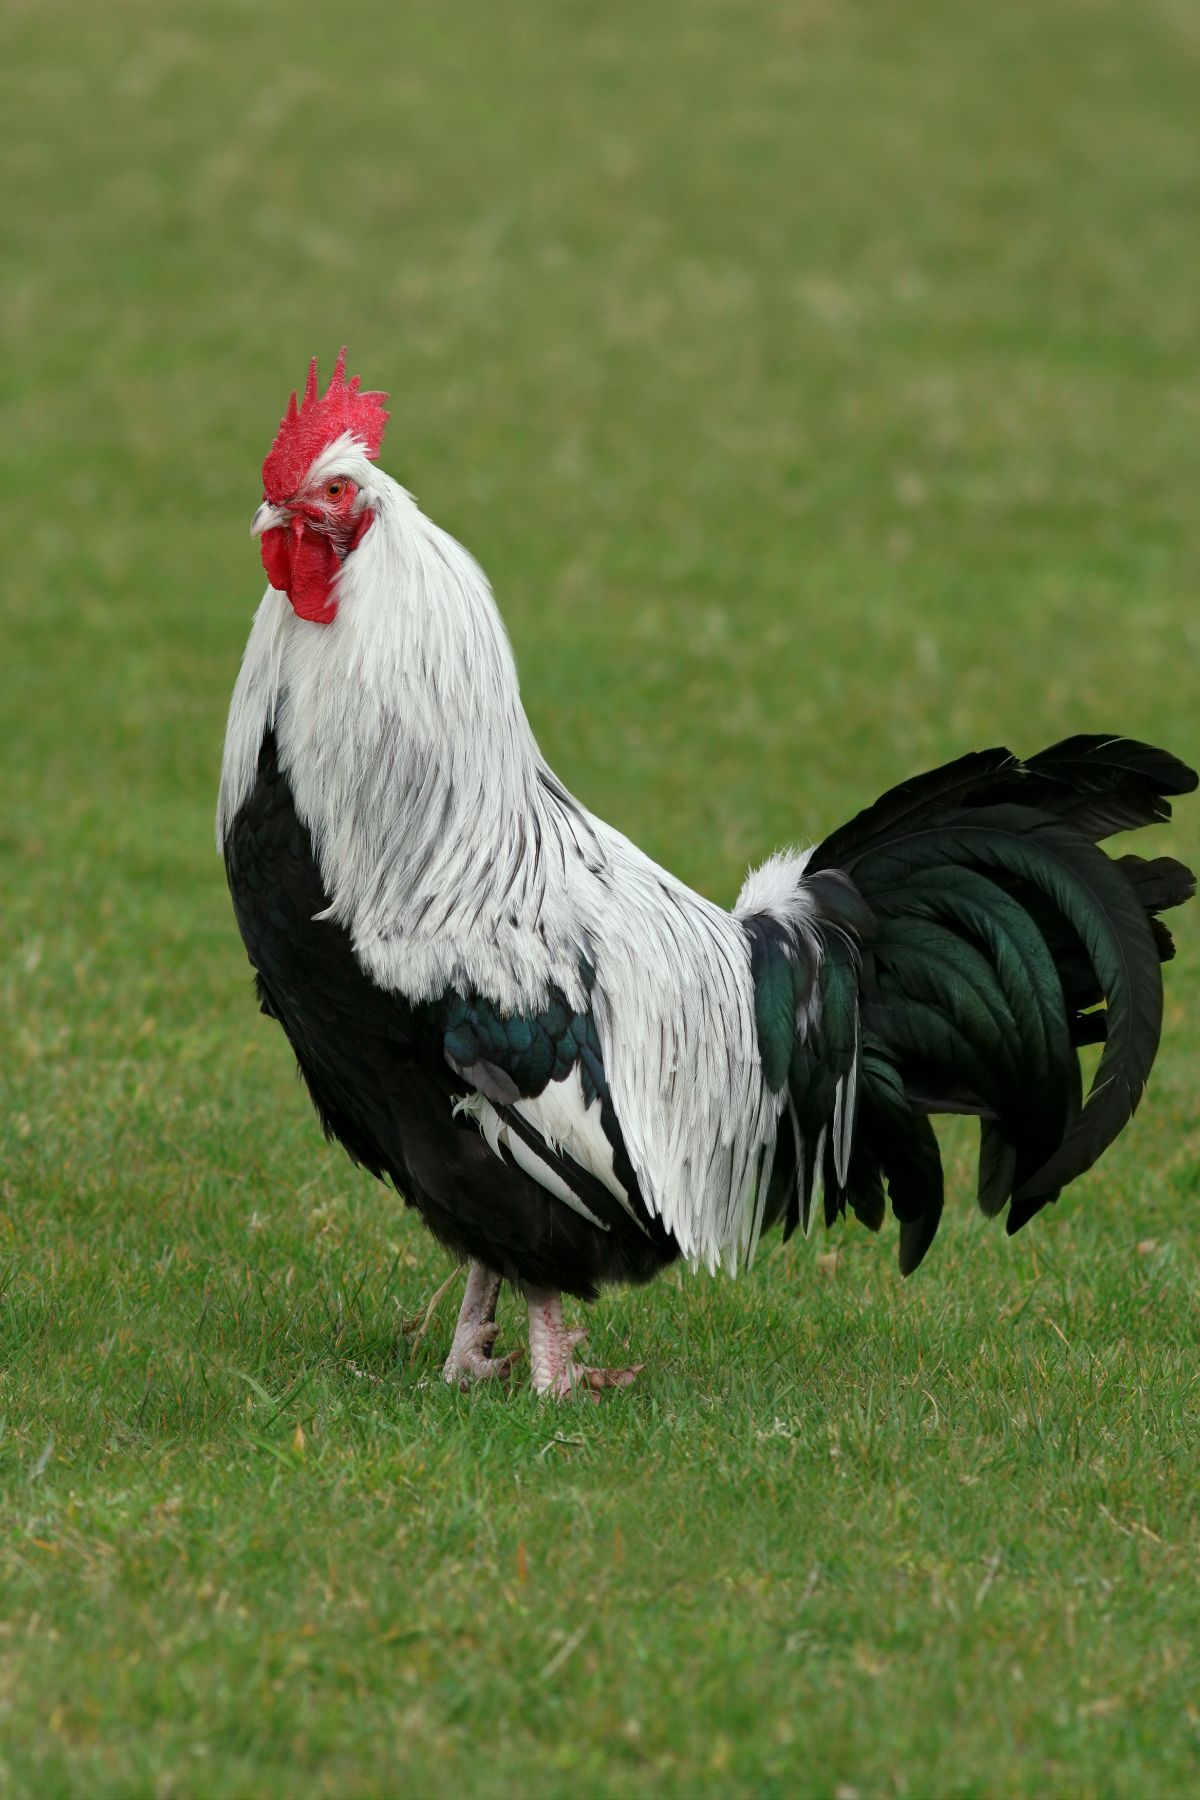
point(311, 427)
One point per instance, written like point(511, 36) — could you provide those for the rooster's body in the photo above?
point(576, 1068)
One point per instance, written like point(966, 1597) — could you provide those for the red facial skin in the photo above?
point(304, 557)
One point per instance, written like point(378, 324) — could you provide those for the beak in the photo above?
point(266, 519)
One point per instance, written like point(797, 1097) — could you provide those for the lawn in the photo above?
point(820, 385)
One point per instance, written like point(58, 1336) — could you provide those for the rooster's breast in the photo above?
point(374, 1065)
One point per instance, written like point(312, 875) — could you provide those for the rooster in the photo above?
point(574, 1067)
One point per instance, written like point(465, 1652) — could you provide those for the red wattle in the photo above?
point(275, 559)
point(315, 567)
point(304, 564)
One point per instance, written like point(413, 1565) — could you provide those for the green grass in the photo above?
point(819, 384)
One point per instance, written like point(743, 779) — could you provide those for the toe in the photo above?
point(611, 1378)
point(580, 1383)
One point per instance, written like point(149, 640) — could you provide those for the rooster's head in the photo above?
point(313, 512)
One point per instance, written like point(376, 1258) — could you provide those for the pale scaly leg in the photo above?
point(554, 1369)
point(470, 1357)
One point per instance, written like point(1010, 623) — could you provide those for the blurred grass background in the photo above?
point(820, 386)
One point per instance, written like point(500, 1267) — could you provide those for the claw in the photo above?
point(472, 1364)
point(472, 1360)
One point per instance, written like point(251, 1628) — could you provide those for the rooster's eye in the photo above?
point(333, 489)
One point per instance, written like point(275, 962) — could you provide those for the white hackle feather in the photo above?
point(456, 859)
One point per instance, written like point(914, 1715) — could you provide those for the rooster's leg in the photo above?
point(555, 1370)
point(470, 1357)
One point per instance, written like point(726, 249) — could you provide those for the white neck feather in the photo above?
point(442, 837)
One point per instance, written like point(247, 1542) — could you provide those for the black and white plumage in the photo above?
point(576, 1068)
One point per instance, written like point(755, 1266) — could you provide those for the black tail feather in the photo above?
point(989, 939)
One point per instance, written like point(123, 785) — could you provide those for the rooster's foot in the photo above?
point(555, 1371)
point(470, 1357)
